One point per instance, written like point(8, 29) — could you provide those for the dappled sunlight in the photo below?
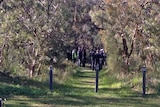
point(80, 91)
point(80, 53)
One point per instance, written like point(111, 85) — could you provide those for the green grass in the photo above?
point(74, 92)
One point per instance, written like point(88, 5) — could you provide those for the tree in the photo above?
point(130, 25)
point(35, 31)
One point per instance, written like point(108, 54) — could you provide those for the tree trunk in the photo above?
point(39, 69)
point(32, 70)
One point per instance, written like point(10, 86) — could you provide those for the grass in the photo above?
point(75, 92)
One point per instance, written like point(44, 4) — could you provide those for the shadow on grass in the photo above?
point(17, 105)
point(79, 100)
point(6, 78)
point(86, 76)
point(78, 96)
point(68, 95)
point(11, 86)
point(7, 90)
point(87, 82)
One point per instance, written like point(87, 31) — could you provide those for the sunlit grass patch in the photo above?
point(76, 91)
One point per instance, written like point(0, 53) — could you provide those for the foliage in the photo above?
point(35, 31)
point(131, 26)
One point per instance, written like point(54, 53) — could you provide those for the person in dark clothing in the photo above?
point(101, 59)
point(79, 56)
point(69, 55)
point(92, 58)
point(97, 59)
point(83, 57)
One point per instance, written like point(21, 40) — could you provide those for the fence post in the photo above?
point(143, 69)
point(51, 78)
point(97, 71)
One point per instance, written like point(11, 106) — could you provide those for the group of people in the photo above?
point(77, 55)
point(97, 57)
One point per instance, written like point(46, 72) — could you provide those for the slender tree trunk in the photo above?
point(39, 69)
point(32, 70)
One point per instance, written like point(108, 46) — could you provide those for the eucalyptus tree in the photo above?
point(130, 30)
point(32, 29)
point(35, 31)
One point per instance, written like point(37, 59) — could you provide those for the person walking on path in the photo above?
point(101, 59)
point(79, 56)
point(92, 58)
point(97, 59)
point(74, 55)
point(83, 57)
